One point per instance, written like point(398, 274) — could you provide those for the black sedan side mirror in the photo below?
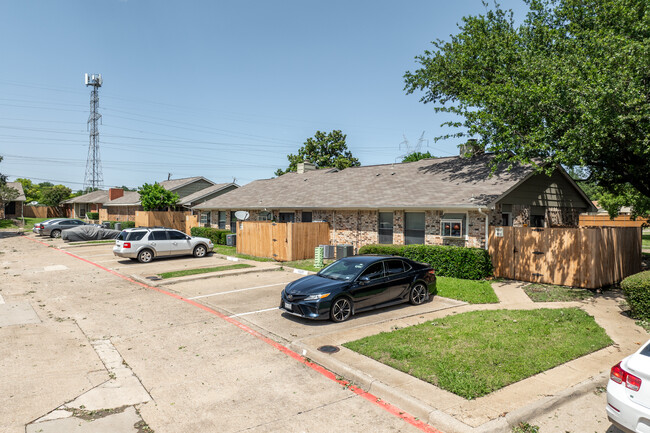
point(364, 279)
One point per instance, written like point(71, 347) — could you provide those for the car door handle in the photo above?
point(152, 243)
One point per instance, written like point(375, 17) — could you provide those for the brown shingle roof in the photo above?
point(203, 192)
point(19, 187)
point(91, 197)
point(173, 184)
point(130, 198)
point(429, 183)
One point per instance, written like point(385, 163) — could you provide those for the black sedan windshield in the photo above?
point(346, 269)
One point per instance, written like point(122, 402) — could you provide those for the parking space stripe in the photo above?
point(254, 312)
point(394, 410)
point(2, 301)
point(238, 290)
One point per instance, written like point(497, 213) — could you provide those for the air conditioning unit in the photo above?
point(344, 250)
point(328, 251)
point(231, 240)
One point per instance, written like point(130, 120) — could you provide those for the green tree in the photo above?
point(54, 195)
point(568, 86)
point(155, 197)
point(323, 150)
point(3, 177)
point(416, 156)
point(31, 191)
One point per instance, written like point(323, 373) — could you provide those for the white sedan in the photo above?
point(628, 392)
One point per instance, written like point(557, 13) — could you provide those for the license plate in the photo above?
point(287, 306)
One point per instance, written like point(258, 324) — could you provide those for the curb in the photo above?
point(443, 421)
point(205, 276)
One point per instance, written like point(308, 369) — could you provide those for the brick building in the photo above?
point(441, 201)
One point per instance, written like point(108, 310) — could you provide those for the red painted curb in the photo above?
point(394, 410)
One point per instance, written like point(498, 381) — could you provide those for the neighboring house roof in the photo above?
point(130, 198)
point(19, 187)
point(92, 197)
point(452, 182)
point(172, 184)
point(205, 192)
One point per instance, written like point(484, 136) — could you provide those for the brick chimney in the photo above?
point(305, 166)
point(114, 193)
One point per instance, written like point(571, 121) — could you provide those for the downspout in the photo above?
point(486, 226)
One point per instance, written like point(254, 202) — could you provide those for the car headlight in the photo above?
point(317, 297)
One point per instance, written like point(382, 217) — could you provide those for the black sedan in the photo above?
point(359, 283)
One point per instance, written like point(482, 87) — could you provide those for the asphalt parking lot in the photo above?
point(93, 341)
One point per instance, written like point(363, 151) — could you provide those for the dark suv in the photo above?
point(144, 244)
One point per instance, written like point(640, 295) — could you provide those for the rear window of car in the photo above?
point(646, 350)
point(394, 267)
point(136, 236)
point(122, 236)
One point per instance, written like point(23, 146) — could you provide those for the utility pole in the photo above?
point(93, 180)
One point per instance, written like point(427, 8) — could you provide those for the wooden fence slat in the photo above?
point(281, 241)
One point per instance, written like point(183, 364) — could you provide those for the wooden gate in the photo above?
point(281, 241)
point(578, 257)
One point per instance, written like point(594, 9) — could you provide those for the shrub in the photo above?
point(448, 261)
point(217, 236)
point(125, 224)
point(92, 215)
point(637, 291)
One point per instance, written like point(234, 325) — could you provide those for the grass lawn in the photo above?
point(29, 223)
point(232, 251)
point(203, 270)
point(645, 240)
point(307, 264)
point(473, 292)
point(473, 354)
point(550, 293)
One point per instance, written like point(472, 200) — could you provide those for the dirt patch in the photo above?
point(91, 415)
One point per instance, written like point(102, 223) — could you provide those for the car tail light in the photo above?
point(431, 272)
point(41, 226)
point(619, 375)
point(128, 245)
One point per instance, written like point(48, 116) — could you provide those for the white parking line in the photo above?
point(255, 312)
point(2, 301)
point(239, 290)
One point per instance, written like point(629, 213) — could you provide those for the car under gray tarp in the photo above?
point(88, 233)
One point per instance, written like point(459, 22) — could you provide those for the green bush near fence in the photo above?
point(448, 261)
point(217, 236)
point(92, 215)
point(125, 224)
point(637, 292)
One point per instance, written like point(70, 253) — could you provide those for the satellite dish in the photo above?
point(242, 215)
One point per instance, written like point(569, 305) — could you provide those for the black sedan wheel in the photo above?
point(341, 310)
point(200, 251)
point(418, 294)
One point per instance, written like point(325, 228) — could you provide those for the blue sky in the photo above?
point(210, 88)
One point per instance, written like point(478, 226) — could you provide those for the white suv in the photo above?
point(144, 244)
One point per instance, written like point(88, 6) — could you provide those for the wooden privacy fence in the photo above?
point(191, 221)
point(579, 257)
point(172, 220)
point(586, 220)
point(42, 212)
point(281, 241)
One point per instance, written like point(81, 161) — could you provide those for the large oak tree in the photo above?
point(569, 85)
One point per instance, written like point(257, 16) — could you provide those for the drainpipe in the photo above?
point(486, 225)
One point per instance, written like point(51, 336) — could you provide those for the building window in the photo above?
point(413, 228)
point(506, 219)
point(453, 225)
point(222, 219)
point(306, 217)
point(385, 227)
point(537, 220)
point(452, 228)
point(264, 216)
point(233, 222)
point(287, 217)
point(205, 219)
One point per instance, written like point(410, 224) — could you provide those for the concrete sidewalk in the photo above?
point(530, 399)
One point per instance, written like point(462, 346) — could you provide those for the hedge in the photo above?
point(92, 215)
point(217, 236)
point(637, 291)
point(448, 261)
point(125, 224)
